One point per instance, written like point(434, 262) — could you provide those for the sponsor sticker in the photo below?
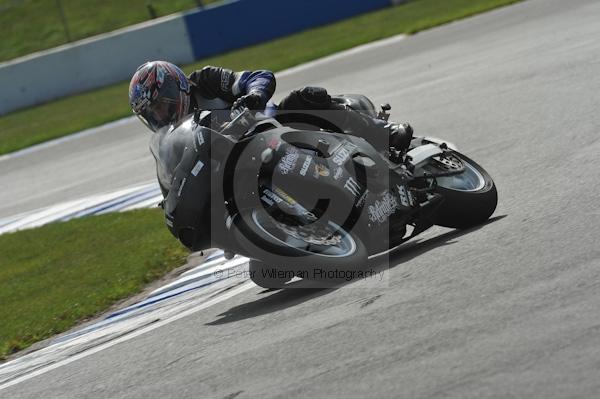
point(288, 162)
point(404, 196)
point(342, 154)
point(338, 173)
point(321, 170)
point(411, 198)
point(305, 165)
point(267, 200)
point(181, 186)
point(272, 196)
point(225, 77)
point(361, 201)
point(197, 168)
point(285, 196)
point(352, 186)
point(200, 138)
point(382, 208)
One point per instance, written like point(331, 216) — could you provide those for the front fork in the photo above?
point(420, 194)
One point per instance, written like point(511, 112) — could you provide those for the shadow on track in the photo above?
point(412, 249)
point(301, 291)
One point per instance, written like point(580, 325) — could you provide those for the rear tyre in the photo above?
point(469, 198)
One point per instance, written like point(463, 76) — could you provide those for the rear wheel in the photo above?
point(470, 198)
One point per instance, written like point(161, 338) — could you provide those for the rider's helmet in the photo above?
point(159, 94)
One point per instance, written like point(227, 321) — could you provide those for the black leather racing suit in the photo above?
point(351, 114)
point(212, 88)
point(215, 88)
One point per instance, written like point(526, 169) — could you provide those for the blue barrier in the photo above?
point(241, 23)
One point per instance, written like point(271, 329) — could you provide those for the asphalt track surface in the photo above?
point(509, 309)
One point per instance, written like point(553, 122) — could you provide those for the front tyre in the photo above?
point(470, 198)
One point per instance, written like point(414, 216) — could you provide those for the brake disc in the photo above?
point(311, 234)
point(448, 162)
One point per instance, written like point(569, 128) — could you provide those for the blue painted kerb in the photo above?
point(241, 23)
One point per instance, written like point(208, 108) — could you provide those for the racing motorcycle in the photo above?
point(294, 198)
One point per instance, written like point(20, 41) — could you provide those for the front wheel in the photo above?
point(470, 197)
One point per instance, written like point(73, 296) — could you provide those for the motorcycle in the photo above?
point(295, 199)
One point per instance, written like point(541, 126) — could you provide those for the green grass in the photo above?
point(56, 275)
point(31, 25)
point(34, 125)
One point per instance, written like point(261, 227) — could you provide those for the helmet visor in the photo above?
point(159, 113)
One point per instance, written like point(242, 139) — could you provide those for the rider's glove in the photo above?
point(249, 101)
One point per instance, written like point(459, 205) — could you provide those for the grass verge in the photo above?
point(59, 118)
point(56, 275)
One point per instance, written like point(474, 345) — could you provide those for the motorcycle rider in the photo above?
point(160, 95)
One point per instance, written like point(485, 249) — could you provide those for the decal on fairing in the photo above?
point(288, 162)
point(305, 165)
point(320, 170)
point(267, 200)
point(411, 198)
point(404, 198)
point(338, 173)
point(342, 154)
point(272, 196)
point(197, 168)
point(199, 138)
point(352, 186)
point(181, 186)
point(361, 201)
point(382, 208)
point(286, 197)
